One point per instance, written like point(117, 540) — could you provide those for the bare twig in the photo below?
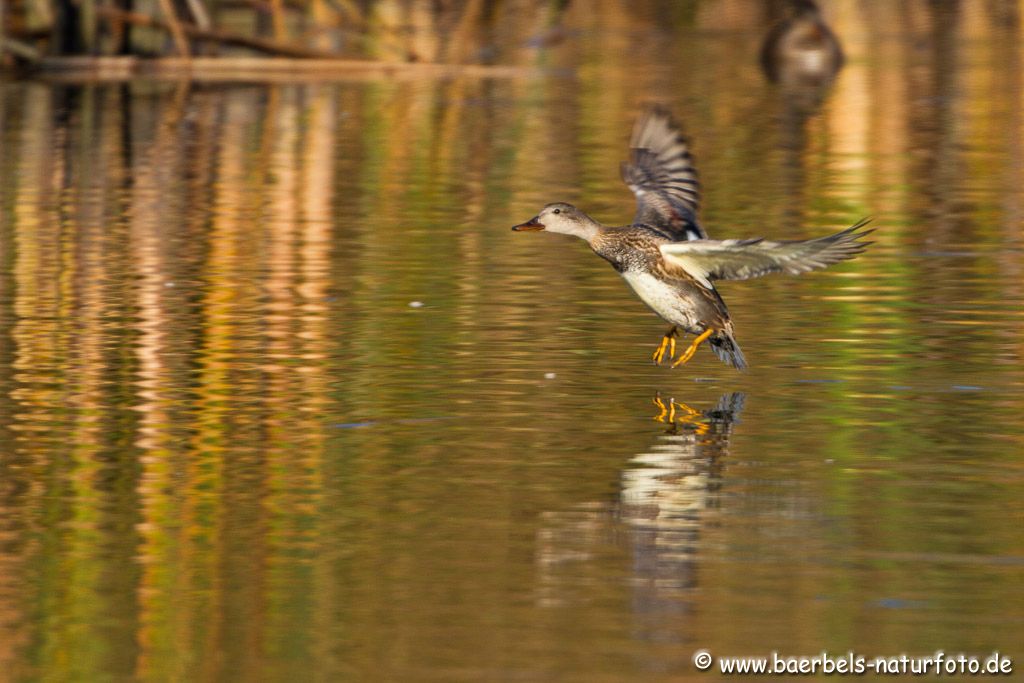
point(175, 27)
point(19, 49)
point(199, 14)
point(259, 44)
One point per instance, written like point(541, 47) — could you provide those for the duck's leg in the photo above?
point(667, 342)
point(692, 349)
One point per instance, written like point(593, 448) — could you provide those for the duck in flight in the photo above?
point(667, 258)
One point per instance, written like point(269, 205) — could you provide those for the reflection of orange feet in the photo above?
point(675, 413)
point(689, 417)
point(660, 417)
point(692, 348)
point(684, 413)
point(668, 342)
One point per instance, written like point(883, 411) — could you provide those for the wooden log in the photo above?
point(262, 69)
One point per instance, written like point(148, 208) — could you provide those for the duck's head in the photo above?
point(561, 218)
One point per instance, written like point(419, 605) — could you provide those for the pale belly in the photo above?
point(665, 300)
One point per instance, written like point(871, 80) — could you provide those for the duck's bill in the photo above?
point(532, 224)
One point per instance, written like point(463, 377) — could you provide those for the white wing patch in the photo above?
point(707, 260)
point(687, 262)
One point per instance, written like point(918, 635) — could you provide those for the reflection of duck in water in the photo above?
point(802, 51)
point(665, 256)
point(666, 496)
point(665, 492)
point(666, 487)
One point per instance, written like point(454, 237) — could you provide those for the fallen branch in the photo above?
point(272, 47)
point(234, 69)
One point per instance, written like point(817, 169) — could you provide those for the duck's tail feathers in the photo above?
point(728, 351)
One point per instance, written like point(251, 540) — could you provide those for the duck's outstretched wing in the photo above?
point(661, 174)
point(708, 260)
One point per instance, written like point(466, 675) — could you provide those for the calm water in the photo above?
point(230, 448)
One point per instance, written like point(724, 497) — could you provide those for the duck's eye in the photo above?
point(557, 211)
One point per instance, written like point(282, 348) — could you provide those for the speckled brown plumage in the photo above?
point(635, 252)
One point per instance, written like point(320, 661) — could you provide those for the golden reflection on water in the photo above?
point(231, 448)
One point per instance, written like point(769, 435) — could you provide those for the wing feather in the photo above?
point(661, 174)
point(709, 260)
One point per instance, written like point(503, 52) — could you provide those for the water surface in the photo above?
point(282, 397)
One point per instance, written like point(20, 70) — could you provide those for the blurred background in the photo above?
point(282, 397)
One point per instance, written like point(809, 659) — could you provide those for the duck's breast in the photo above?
point(677, 306)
